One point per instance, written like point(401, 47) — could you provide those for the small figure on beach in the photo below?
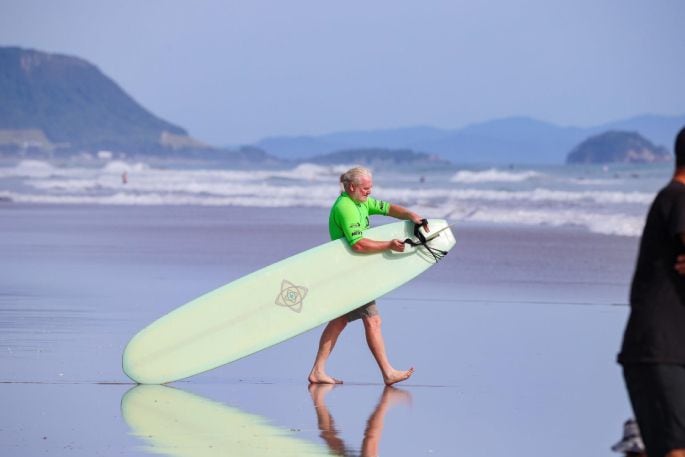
point(349, 218)
point(653, 349)
point(124, 177)
point(631, 444)
point(374, 425)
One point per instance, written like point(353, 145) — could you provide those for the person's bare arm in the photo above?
point(400, 212)
point(368, 246)
point(680, 260)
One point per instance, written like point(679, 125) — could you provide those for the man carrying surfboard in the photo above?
point(348, 219)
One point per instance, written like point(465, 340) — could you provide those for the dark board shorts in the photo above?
point(657, 393)
point(368, 310)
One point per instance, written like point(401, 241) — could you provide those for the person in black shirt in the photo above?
point(653, 349)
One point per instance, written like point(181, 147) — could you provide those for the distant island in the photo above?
point(618, 147)
point(380, 157)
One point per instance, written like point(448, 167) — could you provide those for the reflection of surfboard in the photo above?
point(178, 423)
point(276, 303)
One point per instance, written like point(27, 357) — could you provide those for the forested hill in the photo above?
point(57, 102)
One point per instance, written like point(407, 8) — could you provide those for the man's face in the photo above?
point(360, 191)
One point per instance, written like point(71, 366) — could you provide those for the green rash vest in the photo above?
point(349, 219)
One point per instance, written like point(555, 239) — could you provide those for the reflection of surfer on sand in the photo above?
point(374, 426)
point(176, 423)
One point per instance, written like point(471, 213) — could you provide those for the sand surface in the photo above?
point(513, 337)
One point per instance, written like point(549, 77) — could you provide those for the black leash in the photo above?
point(436, 253)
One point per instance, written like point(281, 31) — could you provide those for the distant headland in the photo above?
point(58, 103)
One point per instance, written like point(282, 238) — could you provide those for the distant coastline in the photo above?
point(62, 107)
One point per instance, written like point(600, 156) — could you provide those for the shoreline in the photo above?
point(311, 214)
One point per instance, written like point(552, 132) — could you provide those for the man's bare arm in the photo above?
point(368, 246)
point(400, 212)
point(680, 260)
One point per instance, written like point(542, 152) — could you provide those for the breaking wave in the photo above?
point(513, 197)
point(493, 175)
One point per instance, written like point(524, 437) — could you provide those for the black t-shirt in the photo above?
point(655, 332)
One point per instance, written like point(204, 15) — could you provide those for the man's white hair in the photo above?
point(354, 176)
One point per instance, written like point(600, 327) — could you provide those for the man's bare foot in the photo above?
point(317, 377)
point(397, 376)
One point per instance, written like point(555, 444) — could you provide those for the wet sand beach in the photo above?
point(513, 336)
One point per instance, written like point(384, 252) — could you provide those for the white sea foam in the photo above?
point(526, 197)
point(534, 196)
point(127, 198)
point(29, 169)
point(493, 175)
point(607, 224)
point(119, 166)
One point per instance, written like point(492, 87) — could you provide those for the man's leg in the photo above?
point(326, 344)
point(658, 399)
point(374, 338)
point(672, 386)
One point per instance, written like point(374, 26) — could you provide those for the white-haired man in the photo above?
point(348, 219)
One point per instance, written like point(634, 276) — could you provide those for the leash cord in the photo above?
point(436, 253)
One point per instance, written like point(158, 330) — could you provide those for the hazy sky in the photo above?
point(236, 71)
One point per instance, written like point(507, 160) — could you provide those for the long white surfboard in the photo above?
point(276, 303)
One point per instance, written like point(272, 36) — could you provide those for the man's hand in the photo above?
point(397, 245)
point(424, 223)
point(680, 265)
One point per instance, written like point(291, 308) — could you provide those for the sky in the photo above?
point(232, 71)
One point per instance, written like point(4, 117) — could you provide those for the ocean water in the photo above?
point(601, 199)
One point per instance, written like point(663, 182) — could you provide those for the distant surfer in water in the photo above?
point(348, 219)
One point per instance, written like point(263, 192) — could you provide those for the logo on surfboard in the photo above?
point(291, 296)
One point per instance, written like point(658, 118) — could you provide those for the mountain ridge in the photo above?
point(506, 140)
